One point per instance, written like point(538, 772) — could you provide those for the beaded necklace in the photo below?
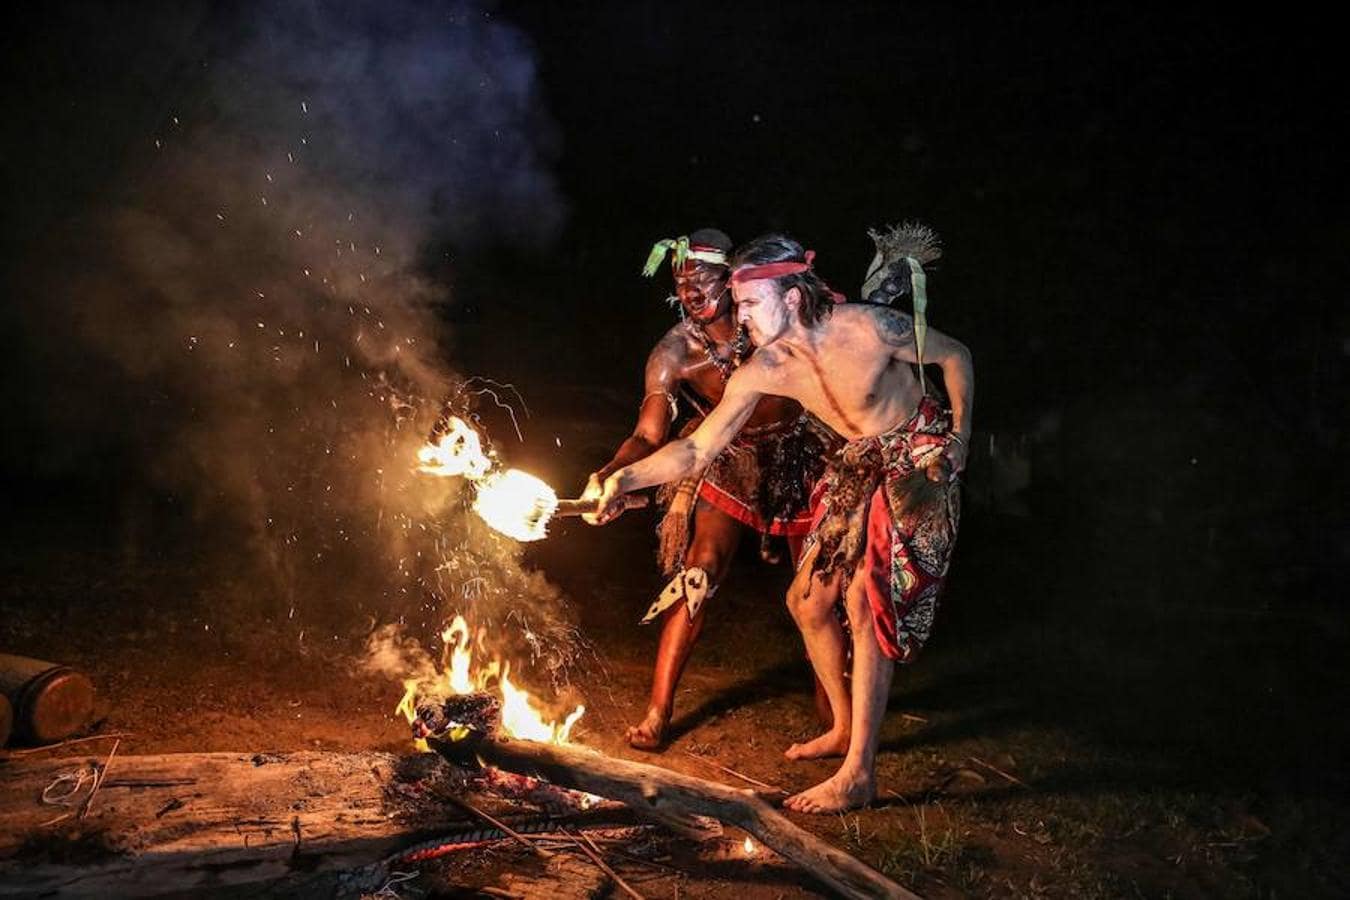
point(740, 347)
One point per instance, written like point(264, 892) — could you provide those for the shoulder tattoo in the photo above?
point(896, 328)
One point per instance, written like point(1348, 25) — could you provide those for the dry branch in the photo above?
point(665, 796)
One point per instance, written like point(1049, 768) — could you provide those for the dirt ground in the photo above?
point(1049, 743)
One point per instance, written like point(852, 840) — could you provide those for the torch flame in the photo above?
point(513, 502)
point(521, 716)
point(458, 452)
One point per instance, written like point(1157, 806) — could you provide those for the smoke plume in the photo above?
point(246, 320)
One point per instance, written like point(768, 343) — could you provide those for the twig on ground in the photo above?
point(997, 771)
point(93, 737)
point(567, 840)
point(98, 782)
point(910, 717)
point(150, 782)
point(734, 773)
point(496, 823)
point(594, 853)
point(652, 863)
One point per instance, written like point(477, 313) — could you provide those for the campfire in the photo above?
point(519, 505)
point(474, 716)
point(461, 675)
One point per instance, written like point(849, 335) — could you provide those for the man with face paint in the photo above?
point(759, 481)
point(888, 507)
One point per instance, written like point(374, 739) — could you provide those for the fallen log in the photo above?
point(664, 796)
point(190, 823)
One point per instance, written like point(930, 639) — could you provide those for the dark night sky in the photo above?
point(1128, 183)
point(1142, 212)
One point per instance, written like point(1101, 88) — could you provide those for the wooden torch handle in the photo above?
point(582, 507)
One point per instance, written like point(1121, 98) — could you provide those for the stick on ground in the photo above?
point(594, 853)
point(29, 751)
point(98, 782)
point(997, 771)
point(665, 796)
point(732, 772)
point(496, 823)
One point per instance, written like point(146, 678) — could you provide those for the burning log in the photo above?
point(650, 791)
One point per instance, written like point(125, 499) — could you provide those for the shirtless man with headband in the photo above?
point(888, 507)
point(762, 480)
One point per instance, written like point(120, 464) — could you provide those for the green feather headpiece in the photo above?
point(682, 250)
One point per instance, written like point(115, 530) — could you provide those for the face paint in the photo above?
point(761, 309)
point(702, 291)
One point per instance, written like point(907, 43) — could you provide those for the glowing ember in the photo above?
point(513, 502)
point(521, 716)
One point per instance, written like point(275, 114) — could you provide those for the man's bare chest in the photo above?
point(849, 389)
point(706, 379)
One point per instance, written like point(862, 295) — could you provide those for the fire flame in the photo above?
point(458, 452)
point(749, 846)
point(513, 502)
point(521, 717)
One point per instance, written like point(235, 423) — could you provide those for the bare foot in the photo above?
point(650, 733)
point(832, 743)
point(840, 792)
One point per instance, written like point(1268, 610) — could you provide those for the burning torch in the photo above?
point(513, 502)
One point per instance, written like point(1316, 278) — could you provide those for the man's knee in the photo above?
point(709, 557)
point(856, 604)
point(809, 602)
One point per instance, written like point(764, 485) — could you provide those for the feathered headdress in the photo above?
point(681, 249)
point(903, 250)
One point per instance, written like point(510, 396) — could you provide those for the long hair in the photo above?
point(817, 299)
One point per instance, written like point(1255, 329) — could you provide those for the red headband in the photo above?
point(777, 270)
point(772, 270)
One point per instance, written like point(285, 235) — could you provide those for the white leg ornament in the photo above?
point(691, 585)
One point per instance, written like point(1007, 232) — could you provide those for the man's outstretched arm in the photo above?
point(691, 454)
point(655, 413)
